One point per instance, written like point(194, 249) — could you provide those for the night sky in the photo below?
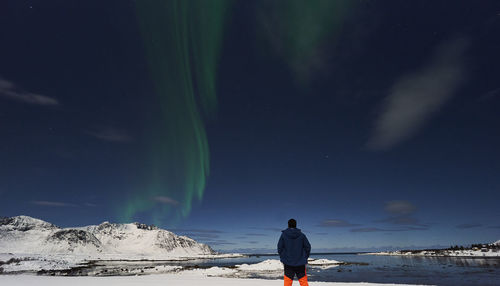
point(375, 124)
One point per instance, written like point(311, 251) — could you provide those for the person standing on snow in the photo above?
point(294, 250)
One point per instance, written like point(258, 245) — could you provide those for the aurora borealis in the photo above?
point(373, 123)
point(300, 31)
point(182, 40)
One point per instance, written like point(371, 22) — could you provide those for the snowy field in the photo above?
point(155, 280)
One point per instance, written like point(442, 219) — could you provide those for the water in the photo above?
point(448, 271)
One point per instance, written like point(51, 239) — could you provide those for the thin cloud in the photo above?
point(52, 204)
point(401, 213)
point(90, 205)
point(274, 229)
point(402, 220)
point(255, 234)
point(336, 223)
point(415, 97)
point(110, 135)
point(367, 229)
point(468, 225)
point(166, 200)
point(490, 94)
point(9, 90)
point(400, 207)
point(376, 229)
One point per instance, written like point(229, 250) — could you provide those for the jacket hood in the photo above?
point(292, 233)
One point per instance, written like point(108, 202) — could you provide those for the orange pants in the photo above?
point(291, 271)
point(302, 281)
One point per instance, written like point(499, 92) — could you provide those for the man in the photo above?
point(294, 249)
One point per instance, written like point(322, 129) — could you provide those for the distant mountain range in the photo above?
point(27, 235)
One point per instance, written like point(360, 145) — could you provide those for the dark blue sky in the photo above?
point(384, 133)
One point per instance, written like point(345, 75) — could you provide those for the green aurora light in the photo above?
point(303, 31)
point(182, 41)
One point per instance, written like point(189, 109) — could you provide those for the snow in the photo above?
point(209, 272)
point(266, 265)
point(23, 234)
point(156, 280)
point(453, 253)
point(322, 262)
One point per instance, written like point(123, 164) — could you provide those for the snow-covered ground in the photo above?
point(24, 234)
point(454, 253)
point(187, 279)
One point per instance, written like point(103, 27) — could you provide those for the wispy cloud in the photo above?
point(336, 223)
point(468, 225)
point(52, 204)
point(401, 213)
point(255, 234)
point(415, 97)
point(110, 134)
point(273, 229)
point(9, 90)
point(367, 229)
point(401, 220)
point(166, 200)
point(376, 229)
point(490, 94)
point(399, 207)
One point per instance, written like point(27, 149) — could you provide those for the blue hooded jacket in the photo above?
point(293, 247)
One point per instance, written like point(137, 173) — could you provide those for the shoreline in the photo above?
point(435, 255)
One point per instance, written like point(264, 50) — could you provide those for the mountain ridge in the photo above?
point(25, 234)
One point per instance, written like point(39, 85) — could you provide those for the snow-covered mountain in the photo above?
point(24, 234)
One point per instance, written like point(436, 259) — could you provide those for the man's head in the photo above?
point(292, 223)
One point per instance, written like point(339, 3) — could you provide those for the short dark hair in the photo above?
point(292, 223)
